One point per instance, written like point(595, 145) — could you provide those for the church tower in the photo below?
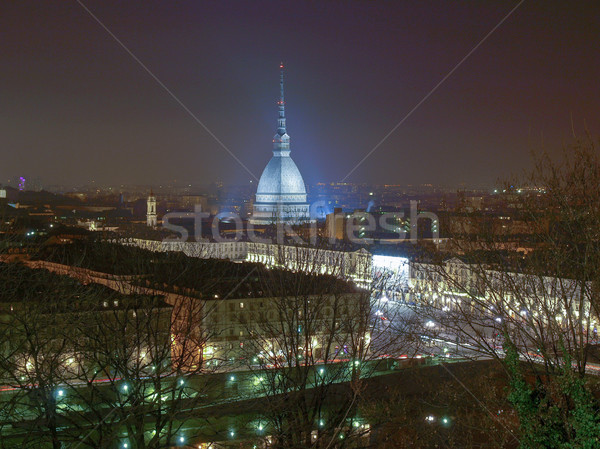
point(281, 194)
point(151, 211)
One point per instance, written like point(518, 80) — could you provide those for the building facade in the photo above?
point(151, 218)
point(352, 265)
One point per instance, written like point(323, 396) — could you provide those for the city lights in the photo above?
point(175, 273)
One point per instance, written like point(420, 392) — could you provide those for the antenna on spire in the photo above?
point(281, 121)
point(281, 102)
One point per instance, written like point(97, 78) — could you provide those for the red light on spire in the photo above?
point(281, 65)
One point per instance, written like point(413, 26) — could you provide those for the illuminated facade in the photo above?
point(235, 322)
point(151, 211)
point(353, 265)
point(281, 194)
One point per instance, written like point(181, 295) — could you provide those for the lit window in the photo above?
point(241, 305)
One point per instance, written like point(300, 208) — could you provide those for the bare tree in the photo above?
point(311, 342)
point(41, 312)
point(98, 364)
point(530, 300)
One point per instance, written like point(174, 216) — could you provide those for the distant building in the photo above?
point(281, 193)
point(194, 201)
point(151, 211)
point(366, 227)
point(90, 225)
point(77, 195)
point(335, 224)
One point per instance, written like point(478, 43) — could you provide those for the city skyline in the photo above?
point(304, 224)
point(78, 108)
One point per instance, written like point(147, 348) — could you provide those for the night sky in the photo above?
point(75, 107)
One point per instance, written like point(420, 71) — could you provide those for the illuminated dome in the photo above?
point(281, 177)
point(281, 194)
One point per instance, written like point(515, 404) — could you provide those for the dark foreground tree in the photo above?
point(525, 292)
point(313, 343)
point(103, 358)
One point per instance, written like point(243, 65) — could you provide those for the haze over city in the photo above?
point(77, 108)
point(294, 225)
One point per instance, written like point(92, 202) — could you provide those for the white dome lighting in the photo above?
point(281, 194)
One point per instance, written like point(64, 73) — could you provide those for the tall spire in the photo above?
point(281, 120)
point(281, 140)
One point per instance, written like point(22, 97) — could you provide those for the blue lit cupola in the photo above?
point(281, 194)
